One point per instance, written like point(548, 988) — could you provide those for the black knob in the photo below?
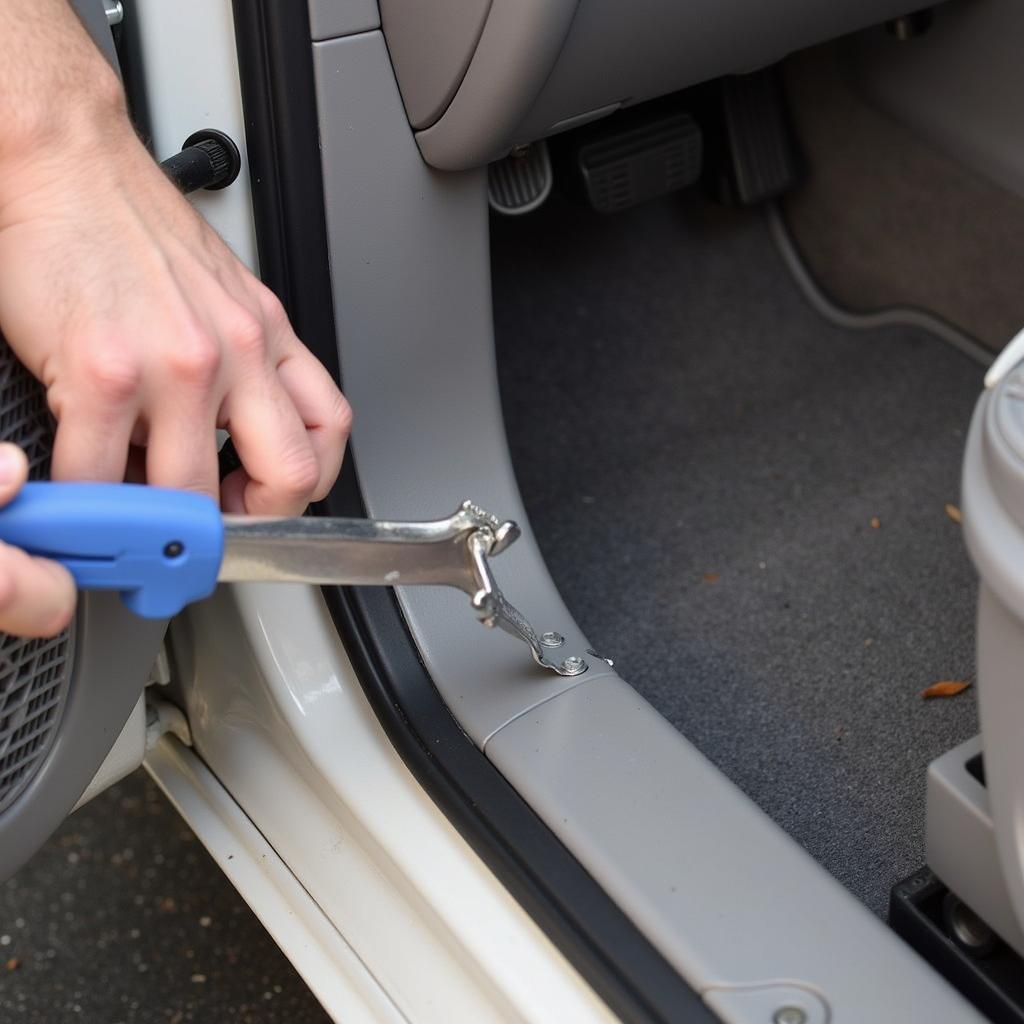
point(208, 159)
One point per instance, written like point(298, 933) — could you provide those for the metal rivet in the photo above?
point(789, 1015)
point(574, 665)
point(551, 639)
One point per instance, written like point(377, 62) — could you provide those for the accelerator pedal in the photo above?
point(760, 160)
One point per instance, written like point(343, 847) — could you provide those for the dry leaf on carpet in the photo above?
point(947, 688)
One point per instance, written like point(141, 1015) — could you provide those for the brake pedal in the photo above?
point(642, 160)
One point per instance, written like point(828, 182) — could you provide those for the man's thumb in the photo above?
point(13, 471)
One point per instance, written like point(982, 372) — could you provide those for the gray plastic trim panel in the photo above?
point(768, 1002)
point(634, 51)
point(540, 64)
point(721, 891)
point(431, 47)
point(728, 898)
point(410, 265)
point(518, 47)
point(94, 17)
point(961, 842)
point(330, 19)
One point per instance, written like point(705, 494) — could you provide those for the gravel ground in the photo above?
point(124, 917)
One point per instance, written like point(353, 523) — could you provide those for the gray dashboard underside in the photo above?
point(479, 77)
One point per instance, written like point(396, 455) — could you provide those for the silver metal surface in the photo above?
point(551, 639)
point(969, 929)
point(451, 552)
point(521, 181)
point(574, 665)
point(114, 11)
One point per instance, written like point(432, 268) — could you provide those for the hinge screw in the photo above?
point(573, 666)
point(551, 639)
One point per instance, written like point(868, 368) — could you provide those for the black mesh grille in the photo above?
point(34, 674)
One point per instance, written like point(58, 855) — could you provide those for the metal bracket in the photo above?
point(494, 609)
point(453, 552)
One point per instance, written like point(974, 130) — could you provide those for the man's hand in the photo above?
point(145, 329)
point(37, 597)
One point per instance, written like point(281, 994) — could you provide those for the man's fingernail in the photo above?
point(10, 463)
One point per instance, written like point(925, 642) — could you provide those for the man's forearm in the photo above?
point(56, 88)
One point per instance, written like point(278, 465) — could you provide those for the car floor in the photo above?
point(745, 507)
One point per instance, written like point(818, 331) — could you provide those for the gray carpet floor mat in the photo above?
point(745, 507)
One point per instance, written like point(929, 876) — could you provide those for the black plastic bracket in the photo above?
point(992, 980)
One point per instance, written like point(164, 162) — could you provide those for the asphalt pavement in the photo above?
point(123, 918)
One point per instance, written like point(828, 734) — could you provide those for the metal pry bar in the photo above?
point(451, 552)
point(162, 549)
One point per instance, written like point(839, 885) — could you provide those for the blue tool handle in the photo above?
point(160, 548)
